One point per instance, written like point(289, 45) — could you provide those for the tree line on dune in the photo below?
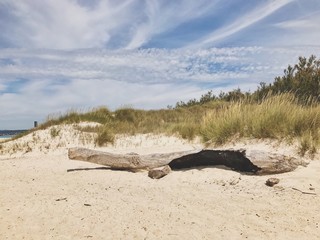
point(302, 79)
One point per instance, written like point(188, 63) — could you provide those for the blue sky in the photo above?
point(58, 55)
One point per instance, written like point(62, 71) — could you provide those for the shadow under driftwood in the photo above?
point(98, 168)
point(87, 169)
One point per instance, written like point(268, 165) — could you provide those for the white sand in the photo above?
point(39, 199)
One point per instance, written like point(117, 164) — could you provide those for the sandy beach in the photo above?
point(44, 195)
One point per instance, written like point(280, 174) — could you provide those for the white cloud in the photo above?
point(162, 16)
point(103, 60)
point(244, 21)
point(69, 24)
point(140, 66)
point(2, 86)
point(304, 30)
point(47, 81)
point(131, 24)
point(65, 24)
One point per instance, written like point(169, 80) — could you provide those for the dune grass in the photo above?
point(185, 122)
point(280, 117)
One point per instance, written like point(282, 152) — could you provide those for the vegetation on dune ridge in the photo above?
point(276, 117)
point(185, 122)
point(287, 109)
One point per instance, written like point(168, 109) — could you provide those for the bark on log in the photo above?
point(273, 163)
point(125, 161)
point(258, 162)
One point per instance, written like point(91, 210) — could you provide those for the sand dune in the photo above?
point(44, 195)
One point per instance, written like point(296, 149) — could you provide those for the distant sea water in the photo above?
point(6, 134)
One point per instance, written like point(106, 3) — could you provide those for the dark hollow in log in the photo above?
point(236, 160)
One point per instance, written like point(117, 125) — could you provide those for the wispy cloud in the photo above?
point(39, 82)
point(62, 24)
point(62, 54)
point(304, 29)
point(131, 24)
point(243, 21)
point(162, 16)
point(144, 66)
point(66, 24)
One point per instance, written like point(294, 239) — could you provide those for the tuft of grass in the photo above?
point(186, 131)
point(308, 143)
point(28, 148)
point(54, 132)
point(104, 137)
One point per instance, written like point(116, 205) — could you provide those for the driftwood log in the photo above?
point(257, 162)
point(130, 161)
point(273, 163)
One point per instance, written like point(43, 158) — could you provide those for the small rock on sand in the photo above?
point(272, 181)
point(157, 173)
